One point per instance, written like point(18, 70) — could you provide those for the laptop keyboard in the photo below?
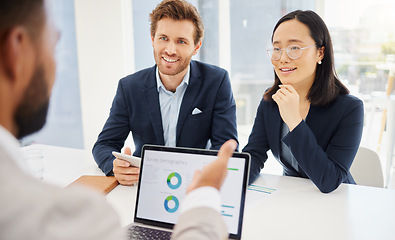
point(137, 232)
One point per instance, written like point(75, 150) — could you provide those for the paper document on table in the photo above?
point(257, 193)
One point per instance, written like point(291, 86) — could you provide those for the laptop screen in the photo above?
point(165, 174)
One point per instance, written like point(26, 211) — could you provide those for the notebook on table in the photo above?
point(165, 174)
point(103, 184)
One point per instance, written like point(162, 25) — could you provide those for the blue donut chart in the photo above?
point(179, 181)
point(176, 205)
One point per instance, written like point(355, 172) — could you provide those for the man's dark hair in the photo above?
point(178, 10)
point(27, 13)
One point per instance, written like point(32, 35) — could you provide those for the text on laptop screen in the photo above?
point(165, 177)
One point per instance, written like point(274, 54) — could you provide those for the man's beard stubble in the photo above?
point(184, 63)
point(31, 113)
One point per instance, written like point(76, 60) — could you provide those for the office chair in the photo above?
point(366, 168)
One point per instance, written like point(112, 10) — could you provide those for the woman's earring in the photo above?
point(319, 62)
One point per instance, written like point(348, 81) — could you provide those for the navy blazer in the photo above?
point(136, 109)
point(324, 145)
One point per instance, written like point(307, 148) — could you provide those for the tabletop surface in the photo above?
point(277, 207)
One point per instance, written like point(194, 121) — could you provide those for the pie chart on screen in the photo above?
point(171, 204)
point(174, 180)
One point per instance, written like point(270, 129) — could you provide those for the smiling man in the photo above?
point(178, 102)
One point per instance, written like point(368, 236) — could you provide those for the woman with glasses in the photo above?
point(308, 119)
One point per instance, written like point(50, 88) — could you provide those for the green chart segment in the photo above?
point(177, 184)
point(233, 169)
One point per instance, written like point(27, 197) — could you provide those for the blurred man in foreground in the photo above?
point(31, 209)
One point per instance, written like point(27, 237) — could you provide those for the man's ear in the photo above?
point(152, 40)
point(197, 47)
point(17, 53)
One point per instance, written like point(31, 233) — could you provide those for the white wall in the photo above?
point(105, 54)
point(224, 35)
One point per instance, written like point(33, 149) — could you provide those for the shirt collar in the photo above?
point(159, 83)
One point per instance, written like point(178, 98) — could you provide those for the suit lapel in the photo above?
point(189, 97)
point(153, 108)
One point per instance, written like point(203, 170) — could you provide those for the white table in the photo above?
point(296, 210)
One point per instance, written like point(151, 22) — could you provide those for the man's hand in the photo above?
point(124, 172)
point(214, 174)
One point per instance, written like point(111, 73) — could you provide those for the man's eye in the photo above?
point(163, 38)
point(182, 42)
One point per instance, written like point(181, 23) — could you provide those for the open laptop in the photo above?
point(165, 174)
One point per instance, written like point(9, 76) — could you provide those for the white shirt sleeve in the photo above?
point(202, 197)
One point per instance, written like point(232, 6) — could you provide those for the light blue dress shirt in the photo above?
point(170, 104)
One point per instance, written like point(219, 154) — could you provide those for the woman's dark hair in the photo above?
point(326, 86)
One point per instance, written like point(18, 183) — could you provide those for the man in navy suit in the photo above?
point(177, 102)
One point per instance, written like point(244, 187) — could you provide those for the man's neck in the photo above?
point(7, 111)
point(171, 82)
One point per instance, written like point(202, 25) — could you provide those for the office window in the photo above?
point(364, 45)
point(64, 124)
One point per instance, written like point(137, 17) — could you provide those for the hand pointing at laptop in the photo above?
point(214, 174)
